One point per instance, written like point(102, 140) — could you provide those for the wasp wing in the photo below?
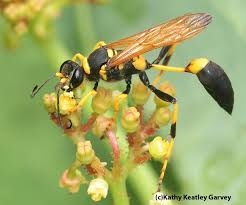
point(172, 32)
point(125, 42)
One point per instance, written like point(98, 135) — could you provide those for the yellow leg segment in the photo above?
point(170, 148)
point(118, 100)
point(99, 44)
point(79, 57)
point(165, 62)
point(83, 62)
point(83, 100)
point(157, 78)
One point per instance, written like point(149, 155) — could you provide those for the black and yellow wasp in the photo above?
point(121, 59)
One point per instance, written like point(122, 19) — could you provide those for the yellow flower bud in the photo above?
point(36, 5)
point(85, 154)
point(167, 88)
point(130, 119)
point(101, 125)
point(50, 102)
point(98, 189)
point(14, 11)
point(158, 148)
point(102, 101)
point(20, 28)
point(162, 116)
point(67, 103)
point(140, 93)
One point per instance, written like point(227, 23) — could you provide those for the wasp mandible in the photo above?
point(122, 59)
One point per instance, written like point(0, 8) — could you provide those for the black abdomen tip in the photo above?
point(218, 85)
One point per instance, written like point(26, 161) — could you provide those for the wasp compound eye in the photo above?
point(68, 67)
point(76, 78)
point(218, 85)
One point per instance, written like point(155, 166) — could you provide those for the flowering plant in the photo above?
point(129, 132)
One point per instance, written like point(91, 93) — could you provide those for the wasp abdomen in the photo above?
point(218, 85)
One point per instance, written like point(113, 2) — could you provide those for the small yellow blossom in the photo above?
point(102, 101)
point(140, 93)
point(130, 119)
point(158, 148)
point(101, 125)
point(167, 88)
point(67, 103)
point(98, 189)
point(50, 102)
point(85, 154)
point(162, 116)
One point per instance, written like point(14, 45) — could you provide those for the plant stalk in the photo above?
point(119, 192)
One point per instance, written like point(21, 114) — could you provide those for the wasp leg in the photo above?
point(161, 55)
point(78, 56)
point(166, 52)
point(83, 62)
point(170, 147)
point(123, 95)
point(99, 44)
point(168, 98)
point(81, 103)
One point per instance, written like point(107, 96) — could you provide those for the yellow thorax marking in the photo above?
point(139, 63)
point(121, 66)
point(103, 72)
point(110, 53)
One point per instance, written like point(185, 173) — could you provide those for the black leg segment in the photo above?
point(96, 85)
point(165, 97)
point(128, 85)
point(162, 54)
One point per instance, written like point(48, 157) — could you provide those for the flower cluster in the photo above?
point(35, 16)
point(102, 121)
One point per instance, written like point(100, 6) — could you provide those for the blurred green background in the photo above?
point(209, 152)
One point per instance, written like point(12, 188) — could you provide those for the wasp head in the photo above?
point(72, 73)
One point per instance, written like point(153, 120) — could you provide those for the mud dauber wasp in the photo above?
point(121, 59)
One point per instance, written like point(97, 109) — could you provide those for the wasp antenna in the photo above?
point(37, 88)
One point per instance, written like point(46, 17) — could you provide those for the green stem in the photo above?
point(72, 170)
point(136, 175)
point(119, 192)
point(55, 52)
point(143, 180)
point(84, 25)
